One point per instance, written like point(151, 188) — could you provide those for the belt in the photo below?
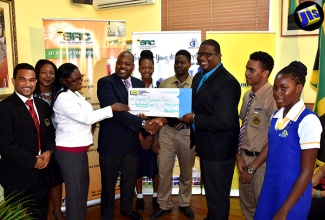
point(251, 153)
point(181, 127)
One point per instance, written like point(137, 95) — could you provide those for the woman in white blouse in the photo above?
point(73, 117)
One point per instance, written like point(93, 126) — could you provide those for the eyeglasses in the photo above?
point(76, 80)
point(207, 55)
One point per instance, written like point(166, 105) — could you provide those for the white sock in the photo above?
point(139, 196)
point(154, 194)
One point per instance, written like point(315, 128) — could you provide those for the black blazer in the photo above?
point(216, 115)
point(118, 135)
point(19, 141)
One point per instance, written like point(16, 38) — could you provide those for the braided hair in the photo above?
point(297, 70)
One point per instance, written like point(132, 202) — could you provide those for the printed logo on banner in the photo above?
point(194, 43)
point(146, 44)
point(67, 37)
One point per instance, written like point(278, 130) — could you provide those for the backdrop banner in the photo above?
point(164, 45)
point(92, 45)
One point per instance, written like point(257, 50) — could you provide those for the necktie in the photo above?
point(281, 123)
point(127, 84)
point(32, 112)
point(244, 124)
point(204, 77)
point(179, 126)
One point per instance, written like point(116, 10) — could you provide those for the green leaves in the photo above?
point(21, 209)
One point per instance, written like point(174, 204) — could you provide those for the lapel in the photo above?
point(41, 112)
point(209, 81)
point(21, 108)
point(120, 86)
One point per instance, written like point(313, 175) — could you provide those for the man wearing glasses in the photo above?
point(215, 126)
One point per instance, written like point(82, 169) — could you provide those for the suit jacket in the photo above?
point(118, 135)
point(19, 141)
point(216, 115)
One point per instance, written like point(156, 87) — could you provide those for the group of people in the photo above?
point(275, 147)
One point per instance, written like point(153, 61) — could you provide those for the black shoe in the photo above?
point(139, 205)
point(159, 212)
point(188, 211)
point(155, 203)
point(134, 216)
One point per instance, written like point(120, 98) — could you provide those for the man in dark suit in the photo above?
point(118, 139)
point(215, 128)
point(25, 152)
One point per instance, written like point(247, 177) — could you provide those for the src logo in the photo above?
point(74, 36)
point(147, 42)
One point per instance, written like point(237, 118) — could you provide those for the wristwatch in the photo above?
point(250, 170)
point(143, 123)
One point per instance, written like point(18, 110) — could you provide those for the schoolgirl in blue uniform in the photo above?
point(294, 139)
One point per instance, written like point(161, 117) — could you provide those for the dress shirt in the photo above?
point(258, 121)
point(24, 99)
point(73, 117)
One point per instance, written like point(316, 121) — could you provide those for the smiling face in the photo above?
point(207, 57)
point(25, 82)
point(124, 65)
point(74, 82)
point(146, 68)
point(46, 76)
point(286, 92)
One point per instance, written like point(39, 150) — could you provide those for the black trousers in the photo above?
point(217, 178)
point(110, 168)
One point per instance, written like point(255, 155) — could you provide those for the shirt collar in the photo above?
point(293, 113)
point(206, 75)
point(75, 93)
point(260, 92)
point(23, 98)
point(187, 81)
point(128, 79)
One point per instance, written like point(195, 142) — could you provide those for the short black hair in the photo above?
point(213, 43)
point(22, 66)
point(126, 52)
point(298, 70)
point(265, 59)
point(184, 53)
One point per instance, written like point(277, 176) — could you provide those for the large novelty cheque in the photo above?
point(160, 102)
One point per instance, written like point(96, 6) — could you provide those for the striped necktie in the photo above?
point(127, 84)
point(244, 124)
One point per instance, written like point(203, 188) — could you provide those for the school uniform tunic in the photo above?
point(301, 132)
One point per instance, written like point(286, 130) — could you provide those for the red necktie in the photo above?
point(32, 112)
